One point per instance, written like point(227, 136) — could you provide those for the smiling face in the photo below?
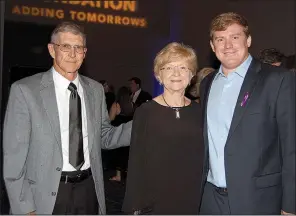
point(231, 47)
point(175, 76)
point(67, 63)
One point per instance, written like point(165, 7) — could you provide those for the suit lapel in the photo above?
point(207, 88)
point(205, 96)
point(48, 96)
point(245, 95)
point(89, 108)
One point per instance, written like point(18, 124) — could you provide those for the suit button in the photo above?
point(53, 193)
point(58, 169)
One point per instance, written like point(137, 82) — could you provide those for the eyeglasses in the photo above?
point(68, 48)
point(181, 68)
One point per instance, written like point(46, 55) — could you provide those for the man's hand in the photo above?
point(32, 213)
point(286, 213)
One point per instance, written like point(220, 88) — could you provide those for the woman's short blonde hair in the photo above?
point(175, 52)
point(194, 90)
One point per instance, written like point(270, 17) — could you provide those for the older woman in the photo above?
point(166, 152)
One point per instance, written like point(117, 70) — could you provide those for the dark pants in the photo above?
point(120, 158)
point(77, 198)
point(214, 201)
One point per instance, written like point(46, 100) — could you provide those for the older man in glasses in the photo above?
point(55, 126)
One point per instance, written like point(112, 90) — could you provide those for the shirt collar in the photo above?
point(138, 92)
point(241, 70)
point(61, 82)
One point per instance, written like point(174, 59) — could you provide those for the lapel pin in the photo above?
point(244, 101)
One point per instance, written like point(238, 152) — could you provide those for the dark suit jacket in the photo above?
point(142, 98)
point(260, 149)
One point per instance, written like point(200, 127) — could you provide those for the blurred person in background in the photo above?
point(271, 56)
point(124, 113)
point(138, 95)
point(112, 111)
point(109, 94)
point(192, 91)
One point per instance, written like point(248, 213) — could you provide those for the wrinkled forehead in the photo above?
point(70, 38)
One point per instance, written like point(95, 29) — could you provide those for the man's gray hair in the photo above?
point(68, 27)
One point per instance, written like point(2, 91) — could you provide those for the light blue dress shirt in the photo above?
point(221, 103)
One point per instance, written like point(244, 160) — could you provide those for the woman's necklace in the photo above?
point(177, 109)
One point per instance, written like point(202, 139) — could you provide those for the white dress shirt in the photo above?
point(63, 96)
point(136, 95)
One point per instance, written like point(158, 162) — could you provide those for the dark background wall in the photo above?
point(116, 53)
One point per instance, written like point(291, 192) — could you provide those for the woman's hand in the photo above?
point(114, 111)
